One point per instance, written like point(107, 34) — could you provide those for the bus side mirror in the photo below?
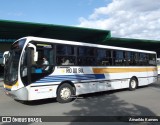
point(6, 54)
point(35, 51)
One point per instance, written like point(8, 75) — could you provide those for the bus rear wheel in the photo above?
point(65, 93)
point(133, 84)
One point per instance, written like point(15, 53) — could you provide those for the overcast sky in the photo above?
point(125, 18)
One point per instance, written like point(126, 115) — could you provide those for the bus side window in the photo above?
point(65, 60)
point(65, 55)
point(118, 57)
point(143, 59)
point(152, 60)
point(104, 57)
point(86, 56)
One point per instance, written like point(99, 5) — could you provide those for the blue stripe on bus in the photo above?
point(60, 78)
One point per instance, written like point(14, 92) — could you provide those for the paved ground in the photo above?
point(1, 79)
point(145, 101)
point(1, 82)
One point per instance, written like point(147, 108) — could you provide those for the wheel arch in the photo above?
point(134, 77)
point(67, 82)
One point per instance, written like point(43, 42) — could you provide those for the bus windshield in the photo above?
point(11, 66)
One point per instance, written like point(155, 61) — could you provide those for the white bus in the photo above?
point(38, 68)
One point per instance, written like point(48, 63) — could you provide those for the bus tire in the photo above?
point(133, 84)
point(65, 93)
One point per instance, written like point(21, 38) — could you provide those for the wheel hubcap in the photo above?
point(65, 93)
point(133, 84)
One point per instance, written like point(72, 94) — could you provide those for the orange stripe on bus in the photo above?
point(123, 70)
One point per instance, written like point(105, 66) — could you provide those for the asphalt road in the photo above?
point(144, 101)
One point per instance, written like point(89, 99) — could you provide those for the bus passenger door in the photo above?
point(31, 70)
point(44, 65)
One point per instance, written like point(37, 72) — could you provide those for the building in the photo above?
point(12, 30)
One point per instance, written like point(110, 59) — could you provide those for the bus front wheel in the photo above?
point(133, 84)
point(65, 93)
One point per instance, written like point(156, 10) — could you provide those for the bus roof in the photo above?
point(83, 44)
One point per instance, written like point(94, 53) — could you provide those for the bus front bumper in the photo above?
point(20, 94)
